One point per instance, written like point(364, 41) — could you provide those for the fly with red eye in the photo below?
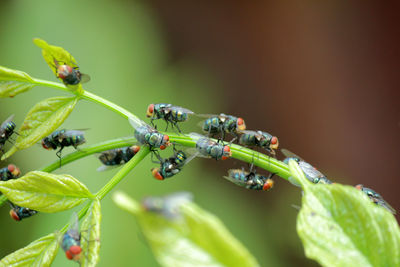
point(169, 113)
point(222, 124)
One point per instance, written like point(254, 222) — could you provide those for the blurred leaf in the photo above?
point(90, 235)
point(340, 226)
point(45, 192)
point(44, 118)
point(38, 253)
point(197, 239)
point(51, 53)
point(14, 82)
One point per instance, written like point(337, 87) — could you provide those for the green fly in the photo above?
point(18, 213)
point(249, 180)
point(209, 148)
point(63, 138)
point(6, 130)
point(147, 135)
point(172, 165)
point(311, 173)
point(9, 172)
point(260, 139)
point(117, 156)
point(375, 197)
point(221, 124)
point(169, 113)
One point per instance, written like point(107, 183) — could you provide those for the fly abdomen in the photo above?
point(178, 115)
point(248, 140)
point(212, 125)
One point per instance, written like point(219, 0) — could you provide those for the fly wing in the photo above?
point(136, 122)
point(290, 154)
point(181, 109)
point(73, 227)
point(7, 120)
point(309, 170)
point(196, 136)
point(206, 116)
point(85, 78)
point(250, 132)
point(235, 181)
point(380, 201)
point(70, 133)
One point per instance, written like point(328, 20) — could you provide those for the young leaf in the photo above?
point(45, 192)
point(340, 226)
point(45, 117)
point(198, 238)
point(38, 253)
point(90, 235)
point(14, 82)
point(53, 54)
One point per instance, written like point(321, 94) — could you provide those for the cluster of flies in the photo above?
point(212, 125)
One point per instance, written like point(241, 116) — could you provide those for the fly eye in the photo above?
point(11, 167)
point(274, 140)
point(135, 149)
point(150, 110)
point(359, 186)
point(240, 121)
point(227, 149)
point(156, 174)
point(44, 145)
point(166, 138)
point(268, 185)
point(14, 215)
point(75, 250)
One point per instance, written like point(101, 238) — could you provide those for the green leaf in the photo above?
point(45, 192)
point(51, 53)
point(340, 226)
point(198, 238)
point(14, 82)
point(38, 253)
point(90, 235)
point(44, 118)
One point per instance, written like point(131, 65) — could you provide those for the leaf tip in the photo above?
point(40, 43)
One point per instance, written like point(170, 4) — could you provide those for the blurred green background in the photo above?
point(211, 59)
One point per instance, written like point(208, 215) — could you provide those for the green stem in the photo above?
point(244, 154)
point(105, 103)
point(90, 150)
point(250, 156)
point(88, 96)
point(143, 152)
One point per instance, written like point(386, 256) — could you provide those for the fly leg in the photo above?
point(157, 154)
point(177, 127)
point(151, 121)
point(58, 154)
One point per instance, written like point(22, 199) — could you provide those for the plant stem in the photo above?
point(143, 152)
point(105, 103)
point(88, 96)
point(250, 156)
point(244, 154)
point(90, 150)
